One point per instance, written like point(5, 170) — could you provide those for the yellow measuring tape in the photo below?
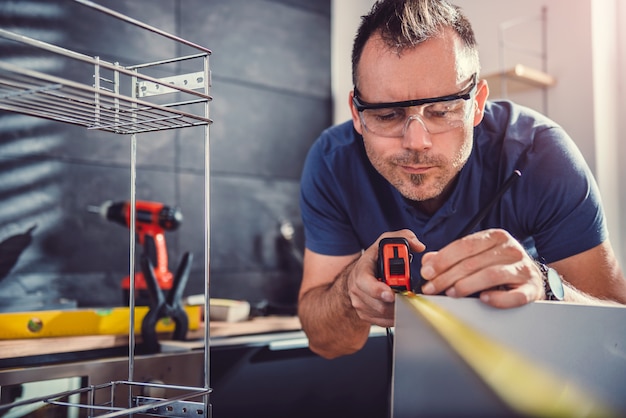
point(526, 388)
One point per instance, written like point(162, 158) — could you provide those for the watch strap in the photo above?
point(546, 282)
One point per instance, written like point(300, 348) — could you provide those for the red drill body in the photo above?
point(152, 219)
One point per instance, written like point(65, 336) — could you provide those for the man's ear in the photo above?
point(482, 93)
point(356, 120)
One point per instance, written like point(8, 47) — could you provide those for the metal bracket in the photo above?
point(189, 81)
point(182, 409)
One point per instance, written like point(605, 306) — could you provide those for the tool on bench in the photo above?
point(11, 249)
point(394, 263)
point(152, 219)
point(164, 307)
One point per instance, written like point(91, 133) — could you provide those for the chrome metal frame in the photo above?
point(105, 106)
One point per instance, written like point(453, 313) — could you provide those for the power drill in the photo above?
point(152, 219)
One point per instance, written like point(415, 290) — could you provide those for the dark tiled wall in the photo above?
point(271, 88)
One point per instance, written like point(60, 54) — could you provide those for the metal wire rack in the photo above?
point(36, 94)
point(122, 100)
point(102, 106)
point(111, 400)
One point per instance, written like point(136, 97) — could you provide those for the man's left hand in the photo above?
point(490, 262)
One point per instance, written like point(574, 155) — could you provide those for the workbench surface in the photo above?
point(44, 346)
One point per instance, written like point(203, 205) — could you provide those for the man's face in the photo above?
point(424, 158)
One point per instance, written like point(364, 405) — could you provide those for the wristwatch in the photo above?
point(552, 283)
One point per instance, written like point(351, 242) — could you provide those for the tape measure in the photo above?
point(524, 387)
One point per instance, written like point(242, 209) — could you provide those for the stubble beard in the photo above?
point(418, 187)
point(421, 187)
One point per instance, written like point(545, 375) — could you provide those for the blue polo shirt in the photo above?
point(554, 209)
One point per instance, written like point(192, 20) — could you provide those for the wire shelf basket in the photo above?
point(45, 96)
point(104, 105)
point(122, 398)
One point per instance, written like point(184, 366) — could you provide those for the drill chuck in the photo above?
point(169, 218)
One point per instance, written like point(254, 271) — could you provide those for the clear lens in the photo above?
point(435, 117)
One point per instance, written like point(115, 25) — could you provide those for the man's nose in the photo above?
point(416, 135)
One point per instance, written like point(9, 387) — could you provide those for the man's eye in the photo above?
point(389, 115)
point(444, 109)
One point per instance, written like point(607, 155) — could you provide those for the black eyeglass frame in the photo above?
point(361, 105)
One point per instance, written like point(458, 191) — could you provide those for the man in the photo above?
point(423, 154)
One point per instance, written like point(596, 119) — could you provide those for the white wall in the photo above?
point(606, 110)
point(586, 52)
point(568, 57)
point(620, 87)
point(345, 19)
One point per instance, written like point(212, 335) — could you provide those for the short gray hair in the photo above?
point(404, 24)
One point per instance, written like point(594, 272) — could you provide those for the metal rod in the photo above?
point(43, 45)
point(544, 53)
point(142, 25)
point(97, 92)
point(518, 21)
point(165, 61)
point(133, 232)
point(504, 78)
point(207, 240)
point(116, 90)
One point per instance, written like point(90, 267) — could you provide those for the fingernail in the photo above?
point(427, 271)
point(451, 292)
point(428, 288)
point(387, 296)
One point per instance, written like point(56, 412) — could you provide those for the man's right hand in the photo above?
point(373, 300)
point(340, 298)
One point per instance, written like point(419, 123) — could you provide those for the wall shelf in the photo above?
point(518, 78)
